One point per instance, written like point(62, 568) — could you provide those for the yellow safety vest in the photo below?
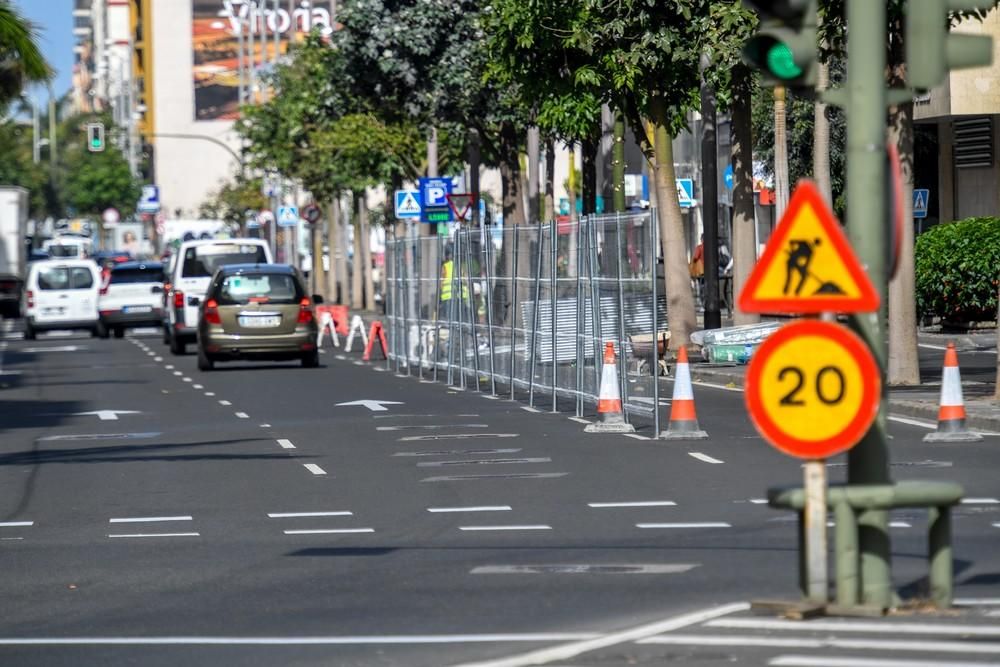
point(447, 275)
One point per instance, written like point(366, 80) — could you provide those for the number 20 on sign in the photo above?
point(813, 389)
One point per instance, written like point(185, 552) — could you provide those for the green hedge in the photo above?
point(957, 265)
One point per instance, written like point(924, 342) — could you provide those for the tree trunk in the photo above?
point(533, 163)
point(317, 280)
point(550, 180)
point(366, 253)
point(588, 151)
point(357, 268)
point(510, 176)
point(680, 300)
point(571, 183)
point(332, 215)
point(744, 223)
point(618, 163)
point(475, 163)
point(341, 255)
point(780, 153)
point(821, 138)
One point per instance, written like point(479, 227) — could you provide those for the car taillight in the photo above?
point(104, 289)
point(178, 299)
point(305, 311)
point(31, 298)
point(212, 312)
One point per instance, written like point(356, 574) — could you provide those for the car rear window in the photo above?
point(65, 277)
point(258, 288)
point(137, 275)
point(64, 250)
point(202, 261)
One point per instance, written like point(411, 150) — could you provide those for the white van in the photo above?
point(191, 271)
point(61, 294)
point(68, 247)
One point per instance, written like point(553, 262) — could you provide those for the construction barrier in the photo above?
point(683, 423)
point(357, 327)
point(376, 333)
point(609, 404)
point(951, 411)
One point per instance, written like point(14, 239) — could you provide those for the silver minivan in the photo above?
point(61, 294)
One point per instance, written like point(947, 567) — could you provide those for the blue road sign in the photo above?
point(407, 204)
point(149, 202)
point(288, 216)
point(434, 200)
point(921, 200)
point(685, 192)
point(727, 176)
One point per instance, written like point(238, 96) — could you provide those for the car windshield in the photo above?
point(258, 288)
point(64, 250)
point(137, 275)
point(65, 277)
point(202, 261)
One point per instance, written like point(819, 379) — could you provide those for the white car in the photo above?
point(61, 294)
point(132, 296)
point(69, 247)
point(191, 271)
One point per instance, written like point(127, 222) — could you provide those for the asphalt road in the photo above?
point(152, 514)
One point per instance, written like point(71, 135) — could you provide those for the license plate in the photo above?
point(137, 309)
point(259, 321)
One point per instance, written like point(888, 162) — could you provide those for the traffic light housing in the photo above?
point(785, 46)
point(931, 50)
point(95, 137)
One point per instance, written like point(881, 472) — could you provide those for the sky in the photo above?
point(54, 21)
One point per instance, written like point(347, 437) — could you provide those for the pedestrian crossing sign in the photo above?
point(808, 265)
point(407, 204)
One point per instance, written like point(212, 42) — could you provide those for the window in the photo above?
point(203, 261)
point(259, 288)
point(145, 274)
point(63, 277)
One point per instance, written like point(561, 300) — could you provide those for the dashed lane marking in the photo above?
point(848, 661)
point(456, 436)
point(144, 519)
point(265, 426)
point(635, 436)
point(285, 443)
point(156, 535)
point(492, 528)
point(178, 373)
point(459, 452)
point(186, 379)
point(314, 469)
point(879, 626)
point(329, 531)
point(528, 408)
point(980, 501)
point(13, 524)
point(704, 457)
point(705, 524)
point(476, 478)
point(912, 422)
point(482, 508)
point(197, 386)
point(579, 420)
point(169, 367)
point(436, 464)
point(210, 393)
point(242, 415)
point(640, 503)
point(224, 402)
point(295, 515)
point(157, 358)
point(429, 427)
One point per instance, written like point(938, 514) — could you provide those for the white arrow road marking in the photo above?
point(373, 405)
point(61, 348)
point(107, 415)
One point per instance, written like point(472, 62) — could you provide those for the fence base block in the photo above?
point(609, 427)
point(683, 435)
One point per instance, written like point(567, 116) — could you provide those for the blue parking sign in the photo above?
point(434, 192)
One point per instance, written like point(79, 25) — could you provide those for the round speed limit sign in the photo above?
point(813, 389)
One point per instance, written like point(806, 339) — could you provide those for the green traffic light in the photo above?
point(95, 143)
point(781, 62)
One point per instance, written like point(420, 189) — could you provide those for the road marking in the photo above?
point(528, 408)
point(242, 415)
point(579, 420)
point(980, 501)
point(889, 627)
point(635, 436)
point(12, 524)
point(314, 469)
point(178, 373)
point(157, 358)
point(197, 386)
point(265, 426)
point(400, 416)
point(169, 367)
point(640, 503)
point(341, 357)
point(704, 457)
point(561, 568)
point(328, 531)
point(10, 539)
point(826, 642)
point(759, 501)
point(568, 651)
point(712, 385)
point(489, 528)
point(107, 415)
point(61, 348)
point(285, 443)
point(912, 422)
point(224, 402)
point(142, 519)
point(429, 426)
point(821, 661)
point(293, 515)
point(157, 535)
point(932, 347)
point(456, 436)
point(101, 436)
point(473, 478)
point(706, 524)
point(297, 641)
point(210, 393)
point(186, 379)
point(482, 508)
point(458, 452)
point(899, 524)
point(974, 602)
point(373, 405)
point(437, 464)
point(996, 525)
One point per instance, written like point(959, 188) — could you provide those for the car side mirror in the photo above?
point(317, 299)
point(193, 301)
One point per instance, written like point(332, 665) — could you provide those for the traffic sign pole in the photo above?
point(814, 473)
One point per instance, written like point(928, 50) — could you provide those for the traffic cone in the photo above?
point(951, 413)
point(609, 402)
point(683, 420)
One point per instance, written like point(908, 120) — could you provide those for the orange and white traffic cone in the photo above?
point(951, 413)
point(609, 402)
point(683, 420)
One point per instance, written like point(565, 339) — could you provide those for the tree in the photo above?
point(92, 182)
point(233, 199)
point(21, 60)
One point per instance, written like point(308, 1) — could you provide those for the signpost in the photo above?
point(461, 205)
point(288, 216)
point(408, 204)
point(149, 202)
point(434, 200)
point(685, 192)
point(921, 202)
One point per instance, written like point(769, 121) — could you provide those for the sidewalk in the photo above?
point(920, 402)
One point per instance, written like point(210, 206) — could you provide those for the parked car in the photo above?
point(132, 296)
point(257, 311)
point(191, 271)
point(69, 247)
point(61, 294)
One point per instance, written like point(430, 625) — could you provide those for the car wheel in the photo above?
point(100, 330)
point(310, 359)
point(176, 346)
point(205, 363)
point(119, 332)
point(29, 331)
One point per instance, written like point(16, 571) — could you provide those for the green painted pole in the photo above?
point(866, 225)
point(618, 163)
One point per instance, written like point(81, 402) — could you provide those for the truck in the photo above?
point(13, 260)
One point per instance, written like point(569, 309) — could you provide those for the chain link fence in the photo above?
point(525, 312)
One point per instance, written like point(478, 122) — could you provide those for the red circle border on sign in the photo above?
point(870, 397)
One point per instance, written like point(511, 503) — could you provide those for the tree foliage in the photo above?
point(21, 60)
point(956, 270)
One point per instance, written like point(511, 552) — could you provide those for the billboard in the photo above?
point(219, 27)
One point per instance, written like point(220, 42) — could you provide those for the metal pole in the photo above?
point(534, 318)
point(437, 308)
point(460, 305)
point(814, 515)
point(581, 309)
point(390, 291)
point(241, 95)
point(554, 303)
point(622, 361)
point(473, 315)
point(452, 340)
point(400, 305)
point(489, 306)
point(595, 299)
point(252, 56)
point(513, 312)
point(710, 202)
point(867, 463)
point(420, 285)
point(654, 263)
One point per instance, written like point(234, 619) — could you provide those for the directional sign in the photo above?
point(808, 266)
point(149, 202)
point(373, 405)
point(921, 200)
point(407, 204)
point(685, 192)
point(288, 216)
point(727, 176)
point(813, 389)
